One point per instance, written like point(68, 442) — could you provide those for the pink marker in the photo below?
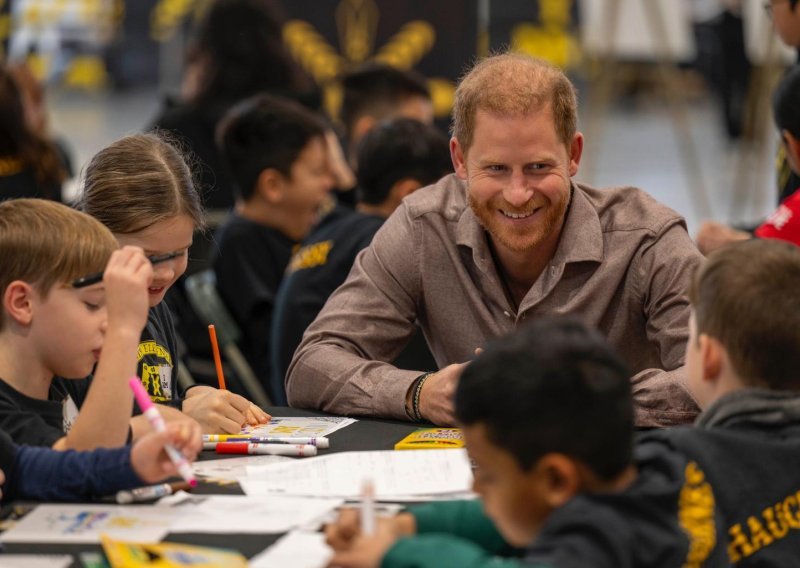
point(157, 422)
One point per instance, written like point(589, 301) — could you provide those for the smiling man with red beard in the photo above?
point(509, 238)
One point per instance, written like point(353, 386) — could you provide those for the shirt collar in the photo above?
point(582, 236)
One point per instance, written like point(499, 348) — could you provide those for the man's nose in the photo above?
point(518, 193)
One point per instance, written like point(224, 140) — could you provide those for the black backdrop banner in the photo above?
point(94, 44)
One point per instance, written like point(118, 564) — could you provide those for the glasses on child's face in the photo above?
point(769, 5)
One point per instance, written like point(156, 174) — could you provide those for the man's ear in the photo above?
point(712, 353)
point(270, 185)
point(560, 479)
point(458, 156)
point(575, 153)
point(18, 302)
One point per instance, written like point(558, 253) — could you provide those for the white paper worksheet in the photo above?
point(35, 561)
point(233, 468)
point(299, 426)
point(296, 549)
point(393, 473)
point(246, 514)
point(85, 523)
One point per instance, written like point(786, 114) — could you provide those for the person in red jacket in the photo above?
point(784, 223)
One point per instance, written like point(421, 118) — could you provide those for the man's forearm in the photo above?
point(326, 377)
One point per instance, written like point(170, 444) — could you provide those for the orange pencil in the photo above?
point(217, 361)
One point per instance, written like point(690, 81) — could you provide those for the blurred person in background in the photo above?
point(784, 223)
point(721, 58)
point(396, 158)
point(236, 52)
point(785, 16)
point(373, 93)
point(277, 153)
point(376, 92)
point(31, 165)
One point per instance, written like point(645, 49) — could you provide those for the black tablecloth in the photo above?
point(366, 434)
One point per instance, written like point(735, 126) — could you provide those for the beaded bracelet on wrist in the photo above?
point(415, 399)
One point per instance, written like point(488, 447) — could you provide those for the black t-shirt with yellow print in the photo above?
point(157, 355)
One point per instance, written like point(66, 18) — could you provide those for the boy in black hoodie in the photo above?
point(548, 420)
point(743, 359)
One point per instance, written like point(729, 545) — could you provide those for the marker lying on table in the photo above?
point(85, 281)
point(321, 442)
point(157, 422)
point(298, 450)
point(150, 492)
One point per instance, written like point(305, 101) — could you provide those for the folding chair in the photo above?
point(201, 288)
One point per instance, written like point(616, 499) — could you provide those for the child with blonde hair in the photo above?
point(53, 334)
point(142, 189)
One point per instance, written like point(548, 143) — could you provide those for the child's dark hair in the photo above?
point(265, 132)
point(552, 386)
point(375, 88)
point(786, 102)
point(400, 149)
point(239, 46)
point(747, 296)
point(19, 141)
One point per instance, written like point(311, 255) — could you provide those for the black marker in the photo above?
point(85, 281)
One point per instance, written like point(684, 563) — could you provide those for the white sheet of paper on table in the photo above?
point(233, 468)
point(35, 561)
point(85, 523)
point(249, 515)
point(296, 549)
point(289, 426)
point(406, 473)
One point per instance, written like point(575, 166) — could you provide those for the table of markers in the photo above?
point(267, 508)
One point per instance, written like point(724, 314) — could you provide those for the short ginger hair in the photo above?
point(514, 84)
